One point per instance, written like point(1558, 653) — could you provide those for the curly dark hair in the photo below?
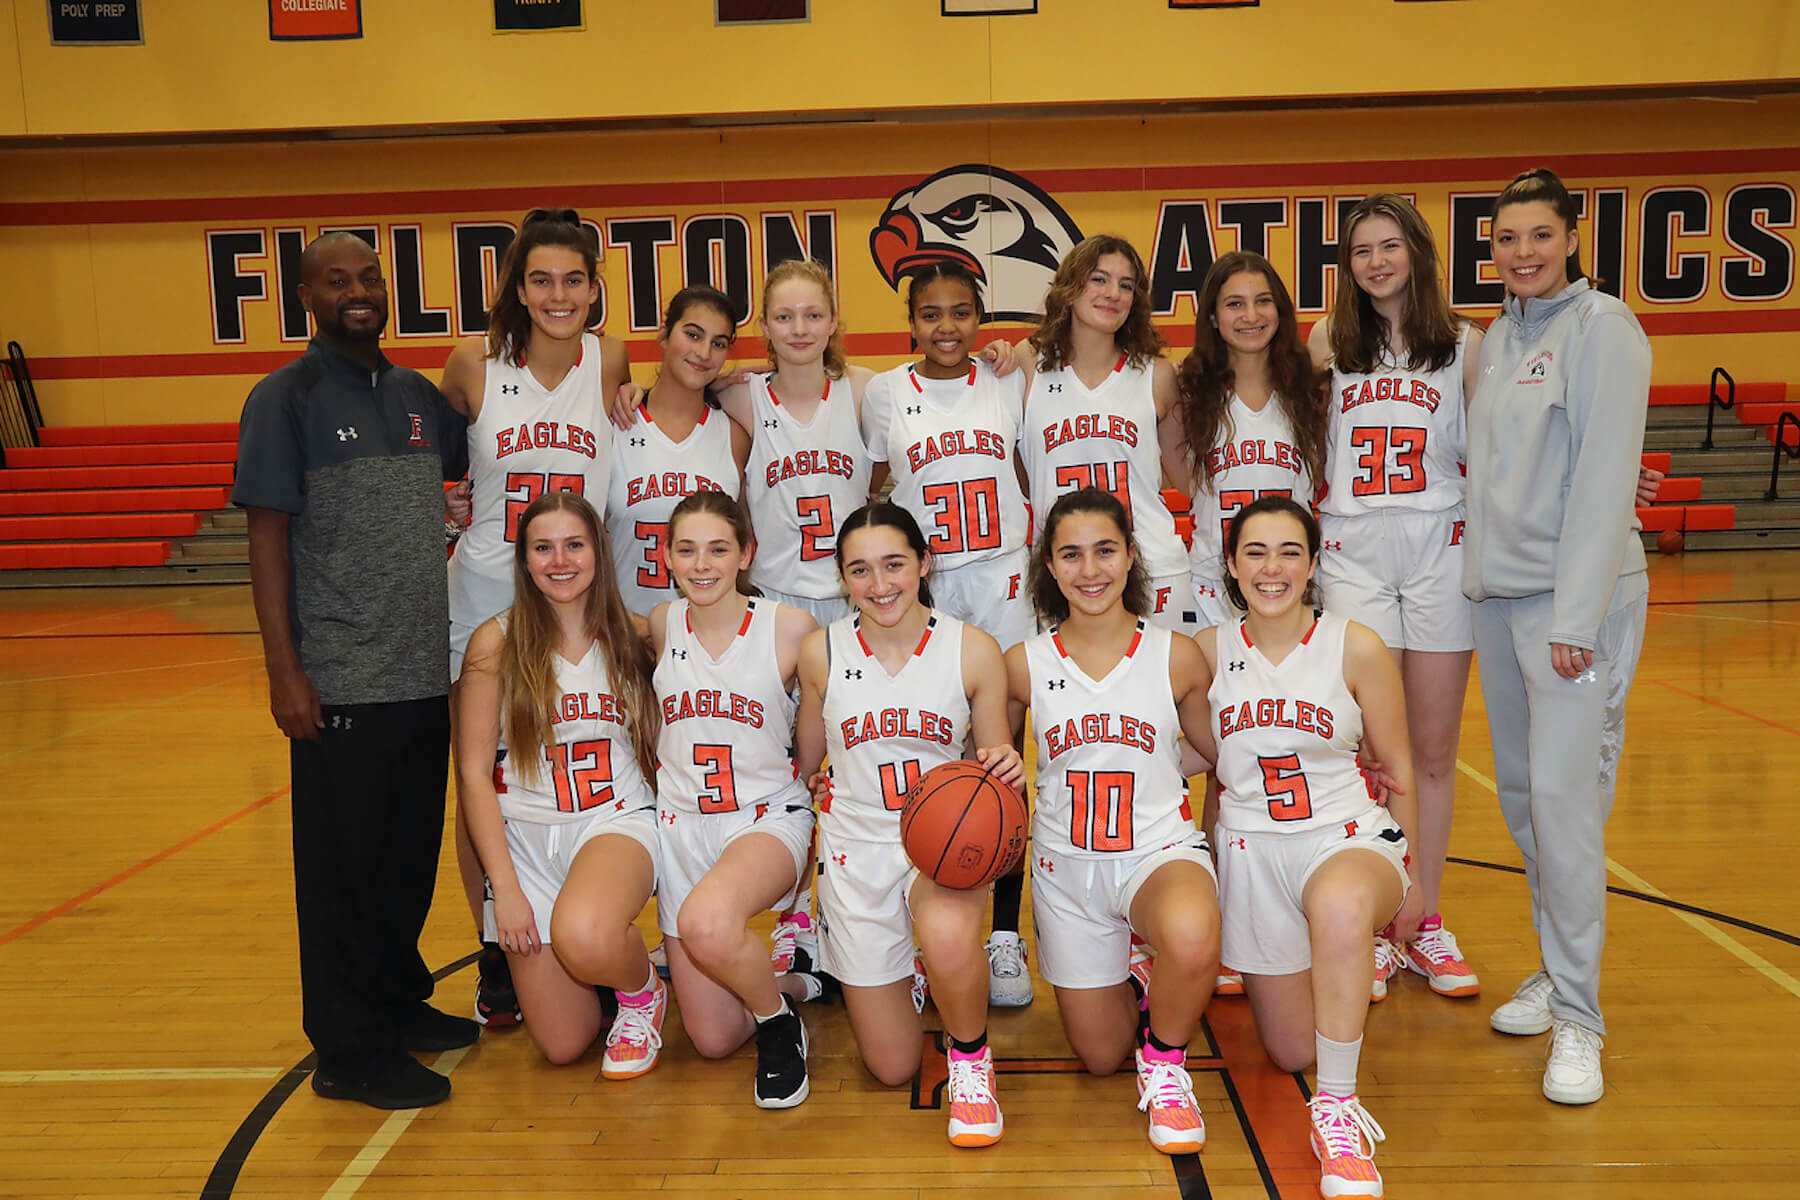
point(1046, 595)
point(1137, 337)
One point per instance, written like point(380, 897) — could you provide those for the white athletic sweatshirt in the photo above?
point(1556, 432)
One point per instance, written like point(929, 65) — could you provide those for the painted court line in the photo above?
point(75, 902)
point(131, 1075)
point(1728, 708)
point(1701, 925)
point(207, 662)
point(370, 1156)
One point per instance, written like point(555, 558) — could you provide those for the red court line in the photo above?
point(801, 191)
point(75, 902)
point(1728, 708)
point(1179, 334)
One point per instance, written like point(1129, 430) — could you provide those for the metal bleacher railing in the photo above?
point(1714, 401)
point(1786, 422)
point(20, 418)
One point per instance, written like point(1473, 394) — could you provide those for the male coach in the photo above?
point(341, 460)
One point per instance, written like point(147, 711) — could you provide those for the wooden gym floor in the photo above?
point(150, 1020)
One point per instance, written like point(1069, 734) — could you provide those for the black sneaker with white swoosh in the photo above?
point(781, 1060)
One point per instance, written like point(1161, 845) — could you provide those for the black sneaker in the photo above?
point(496, 1004)
point(430, 1031)
point(400, 1082)
point(781, 1060)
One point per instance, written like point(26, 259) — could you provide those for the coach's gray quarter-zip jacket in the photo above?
point(1556, 433)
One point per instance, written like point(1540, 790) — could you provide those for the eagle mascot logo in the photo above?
point(1003, 227)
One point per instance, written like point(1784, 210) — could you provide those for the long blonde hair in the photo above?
point(528, 689)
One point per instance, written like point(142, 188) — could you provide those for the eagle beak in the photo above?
point(893, 243)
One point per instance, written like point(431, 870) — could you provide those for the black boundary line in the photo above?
point(73, 637)
point(1660, 901)
point(1710, 603)
point(1270, 1188)
point(222, 1181)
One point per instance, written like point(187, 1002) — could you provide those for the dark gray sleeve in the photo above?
point(271, 464)
point(454, 429)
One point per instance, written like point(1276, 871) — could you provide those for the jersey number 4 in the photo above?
point(969, 518)
point(1373, 478)
point(1100, 809)
point(1284, 782)
point(522, 487)
point(582, 773)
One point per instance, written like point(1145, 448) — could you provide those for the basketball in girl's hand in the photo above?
point(961, 826)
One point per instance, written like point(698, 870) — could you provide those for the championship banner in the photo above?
point(314, 20)
point(989, 8)
point(522, 16)
point(1701, 243)
point(96, 23)
point(760, 12)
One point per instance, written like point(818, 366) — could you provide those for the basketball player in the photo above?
point(557, 695)
point(1557, 573)
point(946, 429)
point(534, 392)
point(1114, 848)
point(735, 822)
point(1098, 391)
point(678, 444)
point(892, 692)
point(1309, 864)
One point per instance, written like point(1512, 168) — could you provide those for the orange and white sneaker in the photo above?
point(635, 1038)
point(1343, 1140)
point(1230, 983)
point(1434, 954)
point(921, 984)
point(1143, 957)
point(975, 1118)
point(1389, 962)
point(1166, 1092)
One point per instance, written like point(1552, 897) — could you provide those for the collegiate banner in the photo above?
point(314, 20)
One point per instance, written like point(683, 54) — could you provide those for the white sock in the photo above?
point(1337, 1065)
point(779, 1010)
point(1002, 937)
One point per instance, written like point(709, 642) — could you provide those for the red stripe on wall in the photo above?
point(1178, 334)
point(803, 191)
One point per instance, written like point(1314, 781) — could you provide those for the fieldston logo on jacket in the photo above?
point(1539, 367)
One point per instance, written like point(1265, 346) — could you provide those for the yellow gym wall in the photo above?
point(208, 65)
point(105, 250)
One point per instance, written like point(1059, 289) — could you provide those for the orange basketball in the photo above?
point(961, 826)
point(1670, 541)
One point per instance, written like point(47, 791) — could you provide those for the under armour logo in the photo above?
point(1349, 828)
point(771, 423)
point(1057, 684)
point(1053, 388)
point(339, 721)
point(1236, 664)
point(1331, 545)
point(681, 654)
point(347, 433)
point(1045, 863)
point(842, 860)
point(1236, 843)
point(914, 409)
point(509, 389)
point(668, 817)
point(637, 441)
point(852, 673)
point(1207, 590)
point(619, 807)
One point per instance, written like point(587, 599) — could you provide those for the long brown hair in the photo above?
point(1359, 334)
point(509, 322)
point(1053, 339)
point(1207, 379)
point(814, 273)
point(1541, 183)
point(528, 691)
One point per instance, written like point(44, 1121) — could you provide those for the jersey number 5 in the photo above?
point(1285, 784)
point(1100, 803)
point(522, 487)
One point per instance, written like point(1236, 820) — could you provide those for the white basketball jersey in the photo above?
point(883, 731)
point(801, 481)
point(1104, 438)
point(1108, 751)
point(1287, 734)
point(1398, 440)
point(728, 723)
point(529, 440)
point(650, 475)
point(949, 444)
point(592, 764)
point(1258, 458)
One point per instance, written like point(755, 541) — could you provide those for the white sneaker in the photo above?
point(1009, 980)
point(921, 986)
point(1528, 1012)
point(1388, 964)
point(1572, 1069)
